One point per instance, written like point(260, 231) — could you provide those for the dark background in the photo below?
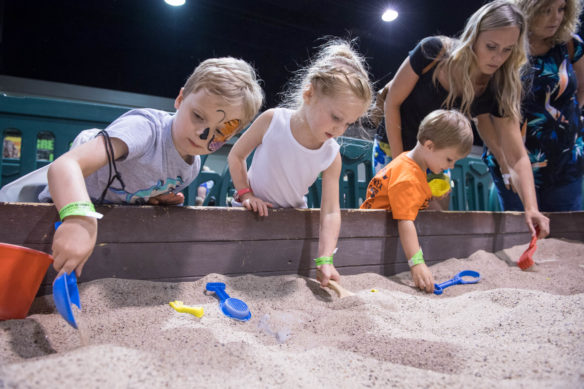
point(149, 47)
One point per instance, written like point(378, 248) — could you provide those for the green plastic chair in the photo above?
point(352, 191)
point(472, 186)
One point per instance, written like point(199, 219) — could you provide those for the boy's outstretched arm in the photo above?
point(330, 221)
point(408, 236)
point(248, 141)
point(74, 240)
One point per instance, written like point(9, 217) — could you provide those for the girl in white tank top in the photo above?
point(294, 145)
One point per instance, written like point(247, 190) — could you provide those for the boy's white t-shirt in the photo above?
point(152, 167)
point(282, 169)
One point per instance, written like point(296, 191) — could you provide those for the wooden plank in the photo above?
point(186, 243)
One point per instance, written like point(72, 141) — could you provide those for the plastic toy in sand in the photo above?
point(458, 279)
point(526, 259)
point(231, 307)
point(65, 293)
point(180, 307)
point(342, 292)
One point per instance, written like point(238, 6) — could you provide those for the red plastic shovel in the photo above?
point(526, 259)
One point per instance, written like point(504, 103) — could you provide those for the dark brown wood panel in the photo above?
point(186, 243)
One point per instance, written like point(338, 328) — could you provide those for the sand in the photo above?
point(513, 329)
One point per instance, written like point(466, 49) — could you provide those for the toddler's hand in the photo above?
point(256, 204)
point(327, 272)
point(73, 243)
point(167, 199)
point(422, 277)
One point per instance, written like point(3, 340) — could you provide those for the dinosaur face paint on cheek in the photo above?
point(223, 134)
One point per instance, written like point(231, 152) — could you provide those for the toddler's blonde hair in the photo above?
point(447, 128)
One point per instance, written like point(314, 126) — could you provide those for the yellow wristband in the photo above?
point(79, 208)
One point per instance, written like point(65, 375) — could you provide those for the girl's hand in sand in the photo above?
point(256, 204)
point(325, 273)
point(73, 244)
point(422, 277)
point(167, 199)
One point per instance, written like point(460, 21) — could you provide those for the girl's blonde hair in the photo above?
point(233, 79)
point(570, 24)
point(447, 128)
point(460, 58)
point(337, 68)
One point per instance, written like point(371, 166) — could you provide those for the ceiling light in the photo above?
point(175, 3)
point(389, 15)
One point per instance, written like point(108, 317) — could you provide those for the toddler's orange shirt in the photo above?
point(400, 187)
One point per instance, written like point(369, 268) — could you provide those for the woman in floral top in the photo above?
point(552, 126)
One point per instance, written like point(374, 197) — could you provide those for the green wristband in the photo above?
point(417, 259)
point(324, 260)
point(79, 208)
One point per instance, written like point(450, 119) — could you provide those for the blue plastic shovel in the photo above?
point(458, 279)
point(65, 292)
point(231, 307)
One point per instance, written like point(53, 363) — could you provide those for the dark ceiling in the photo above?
point(148, 47)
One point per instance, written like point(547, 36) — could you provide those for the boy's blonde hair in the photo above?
point(570, 24)
point(233, 79)
point(447, 128)
point(337, 68)
point(460, 59)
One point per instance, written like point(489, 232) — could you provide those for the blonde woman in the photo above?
point(552, 127)
point(479, 74)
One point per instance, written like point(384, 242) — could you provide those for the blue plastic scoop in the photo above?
point(231, 307)
point(65, 292)
point(458, 279)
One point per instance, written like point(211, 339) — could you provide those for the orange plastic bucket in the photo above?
point(21, 273)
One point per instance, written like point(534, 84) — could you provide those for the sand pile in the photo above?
point(513, 329)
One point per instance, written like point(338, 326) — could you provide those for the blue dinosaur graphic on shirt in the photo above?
point(142, 195)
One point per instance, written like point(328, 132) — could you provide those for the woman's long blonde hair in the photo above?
point(570, 24)
point(460, 59)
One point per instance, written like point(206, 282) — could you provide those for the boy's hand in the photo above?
point(167, 199)
point(422, 277)
point(73, 244)
point(255, 204)
point(327, 272)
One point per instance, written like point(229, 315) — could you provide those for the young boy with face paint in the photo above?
point(147, 155)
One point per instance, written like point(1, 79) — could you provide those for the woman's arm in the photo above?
point(486, 129)
point(399, 89)
point(508, 135)
point(248, 141)
point(330, 219)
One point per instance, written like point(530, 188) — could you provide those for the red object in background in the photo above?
point(21, 272)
